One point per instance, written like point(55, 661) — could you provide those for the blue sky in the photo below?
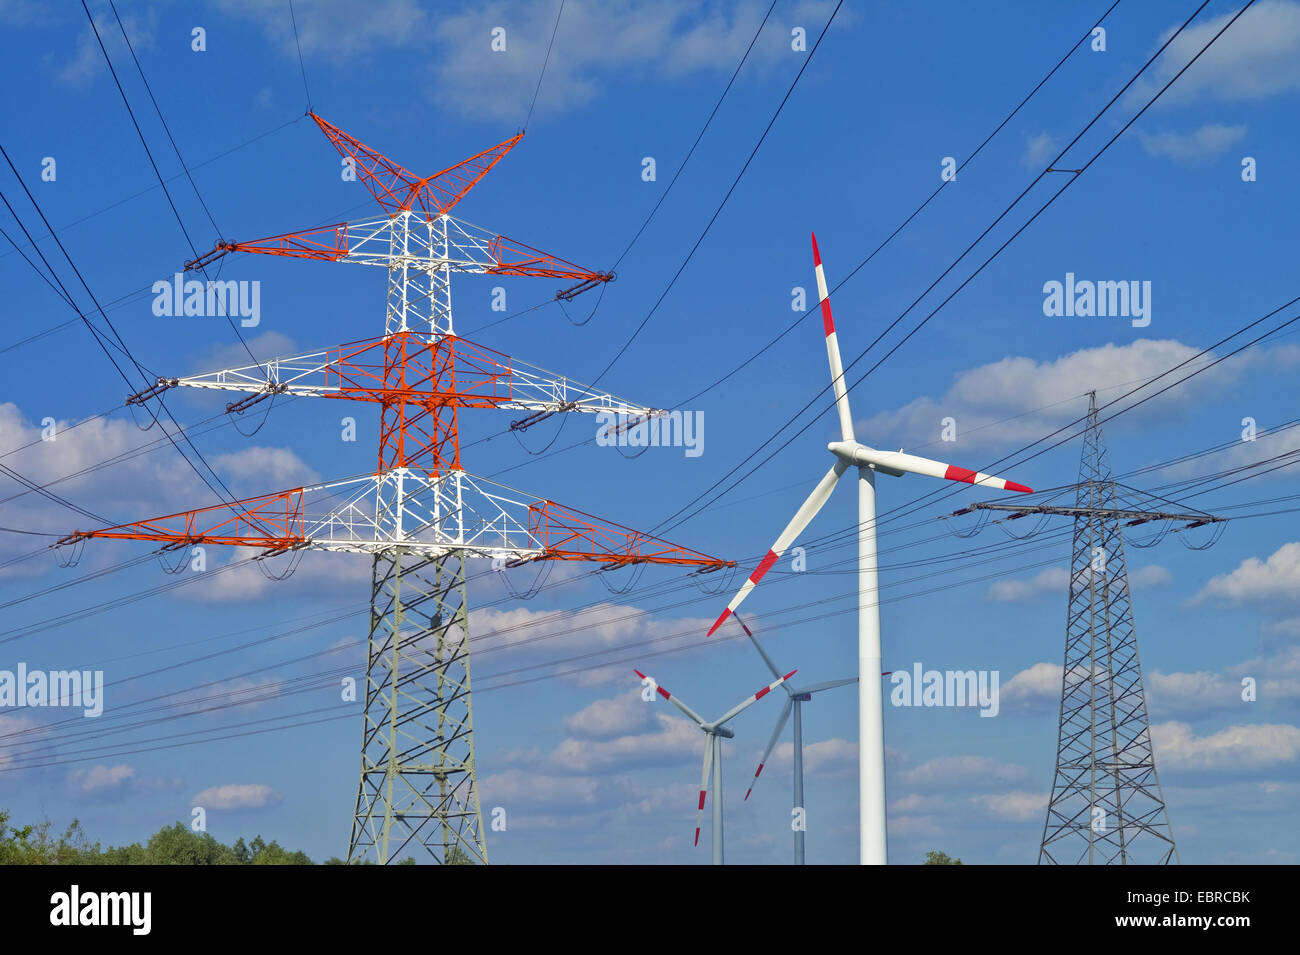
point(586, 771)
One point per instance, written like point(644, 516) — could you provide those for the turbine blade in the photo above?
point(750, 701)
point(913, 464)
point(801, 519)
point(832, 347)
point(672, 699)
point(761, 652)
point(771, 744)
point(829, 685)
point(704, 783)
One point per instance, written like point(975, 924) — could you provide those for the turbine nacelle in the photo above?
point(896, 463)
point(856, 453)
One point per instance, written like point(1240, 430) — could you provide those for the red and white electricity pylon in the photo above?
point(420, 515)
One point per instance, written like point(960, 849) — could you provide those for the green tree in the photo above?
point(177, 844)
point(38, 845)
point(456, 855)
point(935, 857)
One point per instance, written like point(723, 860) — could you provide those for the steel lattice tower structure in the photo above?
point(420, 515)
point(1106, 805)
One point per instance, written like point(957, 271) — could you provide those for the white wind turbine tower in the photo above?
point(795, 699)
point(851, 453)
point(714, 732)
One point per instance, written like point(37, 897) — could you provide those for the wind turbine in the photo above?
point(849, 452)
point(714, 733)
point(795, 699)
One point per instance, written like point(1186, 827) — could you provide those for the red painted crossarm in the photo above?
point(568, 534)
point(272, 520)
point(327, 243)
point(515, 258)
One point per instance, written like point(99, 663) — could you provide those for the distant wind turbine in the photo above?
point(795, 699)
point(868, 461)
point(714, 733)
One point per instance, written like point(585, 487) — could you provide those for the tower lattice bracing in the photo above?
point(419, 516)
point(1106, 806)
point(418, 783)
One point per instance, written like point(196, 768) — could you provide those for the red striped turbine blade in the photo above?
point(771, 743)
point(832, 347)
point(913, 464)
point(704, 784)
point(807, 511)
point(750, 701)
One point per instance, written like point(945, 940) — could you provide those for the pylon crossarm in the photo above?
point(397, 189)
point(365, 241)
point(411, 368)
point(421, 511)
point(474, 249)
point(570, 534)
point(273, 521)
point(1133, 517)
point(468, 248)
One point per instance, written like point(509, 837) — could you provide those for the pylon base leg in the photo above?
point(418, 793)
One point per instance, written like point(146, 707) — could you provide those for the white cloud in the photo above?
point(1278, 578)
point(1152, 575)
point(597, 43)
point(87, 61)
point(99, 779)
point(1033, 690)
point(332, 29)
point(108, 489)
point(1039, 397)
point(109, 467)
point(264, 347)
point(671, 739)
point(1208, 142)
point(237, 796)
point(1018, 805)
point(1037, 690)
point(1039, 149)
point(1052, 580)
point(828, 757)
point(1287, 628)
point(963, 773)
point(523, 634)
point(527, 788)
point(1267, 445)
point(261, 470)
point(18, 13)
point(1190, 694)
point(316, 572)
point(1250, 746)
point(602, 719)
point(19, 730)
point(1257, 57)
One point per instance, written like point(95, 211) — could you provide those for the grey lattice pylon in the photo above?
point(418, 786)
point(1106, 805)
